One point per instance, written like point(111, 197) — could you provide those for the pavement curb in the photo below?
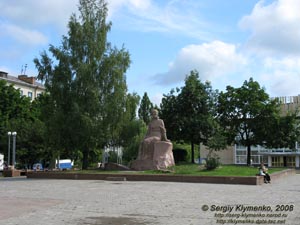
point(249, 180)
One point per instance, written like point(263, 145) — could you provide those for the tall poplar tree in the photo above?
point(86, 82)
point(145, 108)
point(195, 104)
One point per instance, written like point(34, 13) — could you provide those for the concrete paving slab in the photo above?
point(98, 202)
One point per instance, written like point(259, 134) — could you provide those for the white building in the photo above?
point(276, 157)
point(27, 85)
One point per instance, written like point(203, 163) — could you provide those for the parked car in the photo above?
point(37, 166)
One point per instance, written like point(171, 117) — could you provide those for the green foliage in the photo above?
point(185, 147)
point(113, 157)
point(180, 155)
point(132, 102)
point(170, 113)
point(218, 140)
point(13, 107)
point(18, 113)
point(285, 131)
point(132, 130)
point(87, 85)
point(212, 163)
point(245, 113)
point(189, 115)
point(145, 109)
point(133, 135)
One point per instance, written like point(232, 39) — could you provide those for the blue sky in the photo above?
point(226, 41)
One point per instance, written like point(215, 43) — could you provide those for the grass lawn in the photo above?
point(224, 170)
point(195, 170)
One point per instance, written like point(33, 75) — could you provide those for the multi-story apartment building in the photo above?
point(283, 157)
point(28, 86)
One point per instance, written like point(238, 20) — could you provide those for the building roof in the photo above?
point(16, 80)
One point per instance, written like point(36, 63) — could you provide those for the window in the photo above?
point(277, 161)
point(264, 159)
point(21, 92)
point(241, 155)
point(255, 159)
point(30, 94)
point(241, 152)
point(241, 159)
point(290, 161)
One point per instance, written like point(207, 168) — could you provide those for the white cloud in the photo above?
point(156, 98)
point(30, 13)
point(282, 75)
point(211, 60)
point(287, 63)
point(274, 27)
point(25, 36)
point(284, 83)
point(133, 4)
point(274, 40)
point(180, 17)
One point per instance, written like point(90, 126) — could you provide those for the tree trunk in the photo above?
point(85, 160)
point(249, 155)
point(193, 153)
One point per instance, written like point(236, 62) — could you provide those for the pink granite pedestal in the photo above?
point(162, 158)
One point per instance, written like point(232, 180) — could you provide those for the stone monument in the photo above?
point(155, 151)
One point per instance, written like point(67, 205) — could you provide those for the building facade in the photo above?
point(277, 157)
point(28, 86)
point(283, 157)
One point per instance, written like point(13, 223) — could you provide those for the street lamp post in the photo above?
point(8, 154)
point(14, 134)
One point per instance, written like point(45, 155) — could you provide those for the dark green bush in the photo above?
point(179, 154)
point(113, 157)
point(212, 163)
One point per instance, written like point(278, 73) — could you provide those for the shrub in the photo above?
point(212, 163)
point(179, 155)
point(113, 157)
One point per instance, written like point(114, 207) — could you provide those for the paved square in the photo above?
point(81, 202)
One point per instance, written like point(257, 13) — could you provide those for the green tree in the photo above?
point(170, 113)
point(133, 133)
point(18, 113)
point(196, 123)
point(87, 84)
point(189, 114)
point(132, 102)
point(133, 129)
point(145, 108)
point(246, 113)
point(12, 105)
point(283, 131)
point(217, 141)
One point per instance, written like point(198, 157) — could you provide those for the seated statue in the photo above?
point(155, 151)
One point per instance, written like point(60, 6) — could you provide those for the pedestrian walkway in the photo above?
point(97, 202)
